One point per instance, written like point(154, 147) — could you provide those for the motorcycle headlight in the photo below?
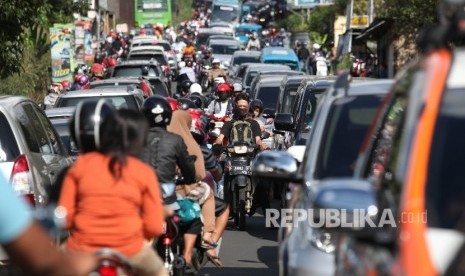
point(240, 149)
point(321, 240)
point(250, 149)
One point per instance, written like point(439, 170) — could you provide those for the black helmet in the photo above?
point(186, 85)
point(86, 122)
point(256, 104)
point(157, 110)
point(185, 104)
point(197, 101)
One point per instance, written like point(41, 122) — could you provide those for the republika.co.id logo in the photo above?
point(337, 218)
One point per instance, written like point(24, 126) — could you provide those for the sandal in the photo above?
point(214, 259)
point(208, 245)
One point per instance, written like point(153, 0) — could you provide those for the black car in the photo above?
point(263, 74)
point(302, 112)
point(149, 69)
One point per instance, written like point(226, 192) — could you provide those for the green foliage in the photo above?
point(293, 23)
point(322, 20)
point(408, 18)
point(17, 17)
point(182, 10)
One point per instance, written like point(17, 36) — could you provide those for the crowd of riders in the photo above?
point(132, 155)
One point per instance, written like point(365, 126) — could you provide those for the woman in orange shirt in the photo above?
point(112, 198)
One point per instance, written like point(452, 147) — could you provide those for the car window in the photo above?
point(269, 96)
point(126, 71)
point(159, 58)
point(346, 125)
point(126, 101)
point(38, 130)
point(445, 189)
point(53, 137)
point(243, 59)
point(290, 93)
point(308, 112)
point(9, 150)
point(159, 87)
point(293, 64)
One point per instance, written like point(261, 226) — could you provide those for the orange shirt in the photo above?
point(105, 212)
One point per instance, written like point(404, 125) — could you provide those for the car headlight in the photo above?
point(321, 240)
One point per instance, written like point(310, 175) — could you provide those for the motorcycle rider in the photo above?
point(254, 43)
point(216, 72)
point(207, 58)
point(178, 45)
point(124, 210)
point(222, 105)
point(241, 112)
point(167, 153)
point(188, 70)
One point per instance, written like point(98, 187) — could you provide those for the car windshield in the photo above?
point(122, 101)
point(290, 63)
point(224, 49)
point(251, 75)
point(62, 127)
point(224, 13)
point(135, 71)
point(445, 189)
point(243, 59)
point(269, 96)
point(345, 129)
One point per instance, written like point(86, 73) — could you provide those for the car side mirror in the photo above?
point(275, 165)
point(353, 201)
point(268, 113)
point(284, 122)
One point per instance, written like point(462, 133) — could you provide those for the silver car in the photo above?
point(342, 119)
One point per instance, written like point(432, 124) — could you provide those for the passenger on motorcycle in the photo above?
point(81, 81)
point(207, 59)
point(196, 96)
point(216, 72)
point(189, 50)
point(256, 109)
point(222, 105)
point(181, 125)
point(254, 43)
point(185, 88)
point(124, 209)
point(178, 45)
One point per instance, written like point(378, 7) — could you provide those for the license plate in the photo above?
point(241, 168)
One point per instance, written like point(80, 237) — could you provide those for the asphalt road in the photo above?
point(249, 252)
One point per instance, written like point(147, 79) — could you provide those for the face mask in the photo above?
point(223, 96)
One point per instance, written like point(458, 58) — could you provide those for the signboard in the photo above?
point(62, 52)
point(359, 21)
point(312, 3)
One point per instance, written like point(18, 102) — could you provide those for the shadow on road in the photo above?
point(239, 271)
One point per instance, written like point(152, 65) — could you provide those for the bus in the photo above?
point(225, 10)
point(152, 12)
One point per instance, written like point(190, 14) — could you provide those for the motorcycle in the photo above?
point(112, 263)
point(216, 123)
point(204, 77)
point(238, 168)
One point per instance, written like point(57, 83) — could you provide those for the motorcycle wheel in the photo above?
point(241, 209)
point(199, 259)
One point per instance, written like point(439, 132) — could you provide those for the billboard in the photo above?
point(312, 3)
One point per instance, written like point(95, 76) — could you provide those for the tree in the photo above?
point(17, 17)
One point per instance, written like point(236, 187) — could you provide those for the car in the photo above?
point(262, 74)
point(144, 48)
point(411, 168)
point(60, 118)
point(120, 97)
point(31, 153)
point(141, 68)
point(253, 69)
point(302, 110)
point(240, 57)
point(226, 37)
point(224, 49)
point(139, 83)
point(281, 55)
point(159, 57)
point(202, 36)
point(342, 119)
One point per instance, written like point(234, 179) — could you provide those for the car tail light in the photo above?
point(145, 88)
point(166, 241)
point(108, 270)
point(20, 180)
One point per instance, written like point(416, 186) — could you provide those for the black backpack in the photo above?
point(241, 132)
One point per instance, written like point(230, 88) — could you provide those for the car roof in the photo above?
point(98, 91)
point(254, 66)
point(137, 62)
point(247, 53)
point(271, 81)
point(59, 112)
point(210, 31)
point(154, 48)
point(374, 86)
point(294, 79)
point(224, 42)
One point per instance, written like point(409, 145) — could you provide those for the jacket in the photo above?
point(164, 152)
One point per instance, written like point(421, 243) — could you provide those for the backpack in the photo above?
point(241, 131)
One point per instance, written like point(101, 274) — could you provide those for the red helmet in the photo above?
point(173, 103)
point(223, 88)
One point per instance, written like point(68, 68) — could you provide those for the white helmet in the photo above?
point(216, 61)
point(195, 88)
point(237, 87)
point(316, 46)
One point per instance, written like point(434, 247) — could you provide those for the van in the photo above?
point(281, 55)
point(226, 11)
